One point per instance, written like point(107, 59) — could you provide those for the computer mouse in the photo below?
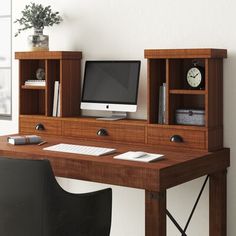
point(137, 154)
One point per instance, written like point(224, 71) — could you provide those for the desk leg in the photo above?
point(218, 204)
point(155, 213)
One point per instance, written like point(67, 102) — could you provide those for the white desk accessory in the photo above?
point(139, 156)
point(79, 149)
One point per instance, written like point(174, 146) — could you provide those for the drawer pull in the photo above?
point(102, 132)
point(176, 139)
point(39, 126)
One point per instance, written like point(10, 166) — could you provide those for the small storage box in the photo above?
point(190, 117)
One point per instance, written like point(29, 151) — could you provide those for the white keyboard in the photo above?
point(79, 149)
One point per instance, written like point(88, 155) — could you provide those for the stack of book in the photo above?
point(35, 82)
point(162, 104)
point(56, 100)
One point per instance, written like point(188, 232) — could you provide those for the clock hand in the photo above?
point(196, 75)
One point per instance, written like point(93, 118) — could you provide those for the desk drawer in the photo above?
point(115, 132)
point(190, 138)
point(50, 126)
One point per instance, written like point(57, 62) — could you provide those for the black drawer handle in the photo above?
point(176, 139)
point(39, 126)
point(102, 132)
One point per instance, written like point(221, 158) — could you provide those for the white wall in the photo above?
point(109, 29)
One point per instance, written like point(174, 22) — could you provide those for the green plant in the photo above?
point(37, 16)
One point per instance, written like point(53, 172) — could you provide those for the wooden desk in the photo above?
point(155, 178)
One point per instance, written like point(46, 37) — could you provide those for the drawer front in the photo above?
point(189, 138)
point(50, 127)
point(119, 133)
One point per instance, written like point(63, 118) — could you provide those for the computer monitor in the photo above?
point(111, 86)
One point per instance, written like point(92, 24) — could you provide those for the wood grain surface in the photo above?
point(155, 213)
point(218, 204)
point(176, 168)
point(115, 132)
point(48, 55)
point(185, 53)
point(191, 139)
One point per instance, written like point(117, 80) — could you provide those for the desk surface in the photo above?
point(177, 167)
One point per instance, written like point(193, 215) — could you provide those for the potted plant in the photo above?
point(37, 17)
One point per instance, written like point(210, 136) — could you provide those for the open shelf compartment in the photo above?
point(178, 69)
point(53, 74)
point(28, 69)
point(32, 98)
point(188, 102)
point(32, 102)
point(156, 78)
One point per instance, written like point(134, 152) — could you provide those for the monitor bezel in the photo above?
point(85, 103)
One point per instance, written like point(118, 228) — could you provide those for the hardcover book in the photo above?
point(55, 98)
point(160, 106)
point(164, 103)
point(24, 139)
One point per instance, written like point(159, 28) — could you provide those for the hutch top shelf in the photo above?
point(44, 55)
point(185, 53)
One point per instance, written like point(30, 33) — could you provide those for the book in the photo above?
point(59, 102)
point(35, 82)
point(160, 106)
point(164, 103)
point(55, 98)
point(24, 139)
point(148, 157)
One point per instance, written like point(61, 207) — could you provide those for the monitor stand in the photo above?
point(115, 116)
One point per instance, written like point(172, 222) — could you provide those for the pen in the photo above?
point(42, 143)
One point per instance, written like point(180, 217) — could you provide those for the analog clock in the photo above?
point(40, 74)
point(195, 77)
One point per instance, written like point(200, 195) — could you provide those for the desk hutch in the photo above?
point(169, 66)
point(200, 153)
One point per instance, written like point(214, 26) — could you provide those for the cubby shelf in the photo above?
point(62, 66)
point(170, 66)
point(33, 87)
point(185, 91)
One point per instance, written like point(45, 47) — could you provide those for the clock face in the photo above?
point(194, 77)
point(40, 74)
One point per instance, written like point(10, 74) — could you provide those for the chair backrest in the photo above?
point(33, 204)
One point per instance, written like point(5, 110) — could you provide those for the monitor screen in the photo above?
point(111, 82)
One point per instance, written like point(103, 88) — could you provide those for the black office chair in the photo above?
point(33, 204)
